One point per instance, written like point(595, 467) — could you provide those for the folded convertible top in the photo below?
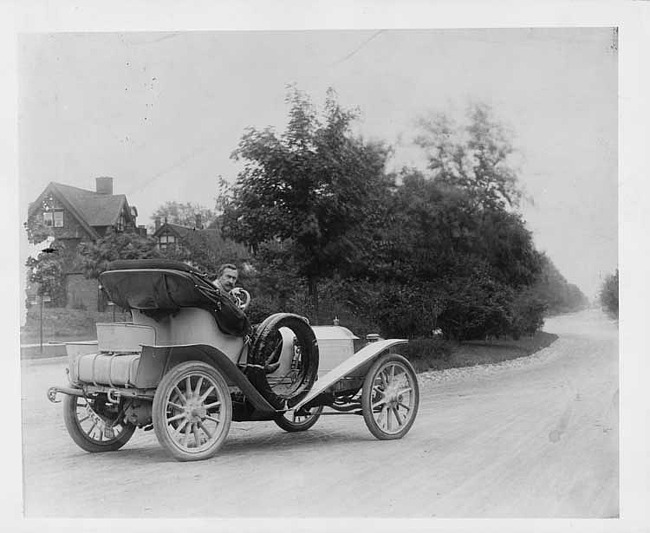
point(158, 287)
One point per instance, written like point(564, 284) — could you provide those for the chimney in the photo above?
point(197, 221)
point(157, 222)
point(104, 185)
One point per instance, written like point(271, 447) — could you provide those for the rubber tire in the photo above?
point(80, 437)
point(159, 409)
point(264, 335)
point(366, 396)
point(295, 427)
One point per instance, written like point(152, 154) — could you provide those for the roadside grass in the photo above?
point(429, 354)
point(65, 325)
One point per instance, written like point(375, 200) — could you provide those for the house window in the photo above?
point(53, 219)
point(165, 241)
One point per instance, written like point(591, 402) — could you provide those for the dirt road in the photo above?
point(535, 437)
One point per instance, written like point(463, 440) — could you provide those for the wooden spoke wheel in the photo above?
point(192, 411)
point(390, 397)
point(95, 424)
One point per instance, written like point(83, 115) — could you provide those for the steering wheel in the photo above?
point(242, 297)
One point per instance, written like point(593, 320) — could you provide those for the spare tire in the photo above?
point(265, 351)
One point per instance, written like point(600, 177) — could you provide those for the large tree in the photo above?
point(310, 188)
point(446, 262)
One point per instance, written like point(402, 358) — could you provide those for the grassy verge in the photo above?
point(429, 354)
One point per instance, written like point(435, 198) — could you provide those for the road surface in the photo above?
point(534, 437)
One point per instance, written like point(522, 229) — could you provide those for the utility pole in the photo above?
point(41, 323)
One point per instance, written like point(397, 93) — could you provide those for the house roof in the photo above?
point(191, 236)
point(91, 208)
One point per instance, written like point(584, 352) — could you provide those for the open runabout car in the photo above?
point(189, 363)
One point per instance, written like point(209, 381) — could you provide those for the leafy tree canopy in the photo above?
point(184, 214)
point(47, 272)
point(207, 250)
point(113, 246)
point(474, 155)
point(552, 288)
point(311, 188)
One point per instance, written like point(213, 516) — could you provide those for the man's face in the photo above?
point(228, 279)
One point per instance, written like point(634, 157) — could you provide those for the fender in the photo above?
point(363, 356)
point(156, 360)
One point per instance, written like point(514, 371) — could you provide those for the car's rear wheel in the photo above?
point(95, 424)
point(390, 397)
point(192, 411)
point(301, 421)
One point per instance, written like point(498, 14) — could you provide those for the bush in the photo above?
point(528, 315)
point(426, 354)
point(405, 310)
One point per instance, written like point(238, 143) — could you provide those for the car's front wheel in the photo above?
point(390, 397)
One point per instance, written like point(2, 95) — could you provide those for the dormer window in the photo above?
point(165, 241)
point(53, 219)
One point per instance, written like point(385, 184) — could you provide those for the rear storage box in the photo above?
point(124, 337)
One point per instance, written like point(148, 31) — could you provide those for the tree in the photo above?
point(95, 256)
point(558, 295)
point(47, 271)
point(184, 214)
point(609, 295)
point(474, 156)
point(453, 246)
point(310, 188)
point(207, 250)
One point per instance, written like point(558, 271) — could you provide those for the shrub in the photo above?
point(528, 314)
point(426, 354)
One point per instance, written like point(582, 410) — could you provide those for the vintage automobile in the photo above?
point(189, 363)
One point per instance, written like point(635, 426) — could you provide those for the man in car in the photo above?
point(227, 277)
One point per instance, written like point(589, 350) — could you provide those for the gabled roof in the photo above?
point(176, 229)
point(191, 237)
point(92, 209)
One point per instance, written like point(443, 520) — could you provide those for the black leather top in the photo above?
point(158, 287)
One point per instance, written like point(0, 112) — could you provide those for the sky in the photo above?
point(161, 112)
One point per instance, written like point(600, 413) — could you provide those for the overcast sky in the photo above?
point(162, 112)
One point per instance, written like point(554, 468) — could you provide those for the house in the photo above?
point(204, 248)
point(72, 216)
point(177, 236)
